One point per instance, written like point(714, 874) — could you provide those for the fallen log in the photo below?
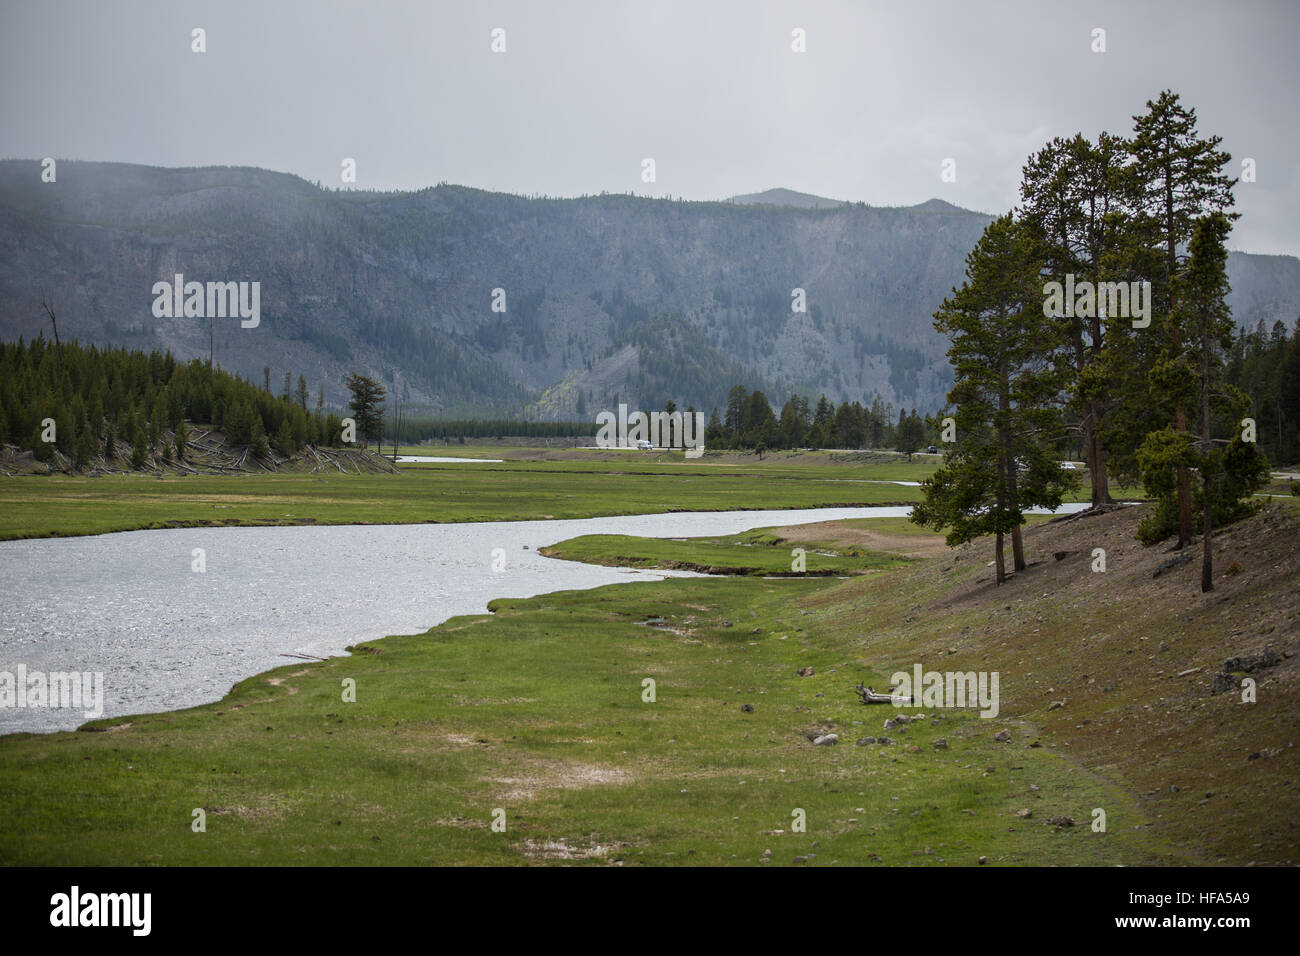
point(869, 696)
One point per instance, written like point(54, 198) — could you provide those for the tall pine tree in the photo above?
point(1177, 179)
point(1008, 369)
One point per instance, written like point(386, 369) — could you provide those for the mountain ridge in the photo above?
point(607, 298)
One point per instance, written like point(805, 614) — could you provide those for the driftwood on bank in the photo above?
point(869, 696)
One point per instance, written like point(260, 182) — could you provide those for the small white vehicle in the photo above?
point(643, 445)
point(1068, 466)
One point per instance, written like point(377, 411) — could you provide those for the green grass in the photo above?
point(757, 552)
point(856, 467)
point(538, 710)
point(57, 505)
point(530, 484)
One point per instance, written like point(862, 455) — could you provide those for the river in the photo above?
point(165, 636)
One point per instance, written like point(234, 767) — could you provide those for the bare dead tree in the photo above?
point(48, 306)
point(396, 432)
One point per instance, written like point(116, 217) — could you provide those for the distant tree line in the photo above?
point(748, 421)
point(1265, 366)
point(412, 431)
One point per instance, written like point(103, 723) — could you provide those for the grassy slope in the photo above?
point(1131, 658)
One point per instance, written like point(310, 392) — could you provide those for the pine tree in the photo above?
point(139, 448)
point(367, 406)
point(85, 448)
point(825, 411)
point(1227, 474)
point(260, 446)
point(1177, 180)
point(794, 422)
point(1073, 192)
point(713, 432)
point(760, 423)
point(284, 443)
point(238, 425)
point(41, 449)
point(181, 436)
point(1008, 370)
point(910, 436)
point(734, 415)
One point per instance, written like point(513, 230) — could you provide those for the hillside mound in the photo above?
point(207, 452)
point(1131, 672)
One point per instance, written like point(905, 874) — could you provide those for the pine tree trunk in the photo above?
point(1089, 423)
point(1207, 557)
point(1096, 453)
point(1095, 477)
point(1184, 491)
point(1184, 478)
point(1097, 464)
point(1090, 456)
point(1102, 481)
point(1001, 562)
point(1007, 496)
point(1017, 550)
point(1180, 413)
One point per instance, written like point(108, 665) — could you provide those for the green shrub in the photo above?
point(1160, 522)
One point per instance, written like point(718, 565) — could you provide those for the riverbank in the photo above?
point(542, 710)
point(58, 506)
point(537, 715)
point(526, 484)
point(759, 552)
point(173, 618)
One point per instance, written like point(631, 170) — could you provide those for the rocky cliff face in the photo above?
point(605, 298)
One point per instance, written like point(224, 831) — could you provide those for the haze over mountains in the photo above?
point(607, 298)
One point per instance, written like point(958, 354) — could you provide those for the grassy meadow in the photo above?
point(641, 723)
point(529, 484)
point(540, 711)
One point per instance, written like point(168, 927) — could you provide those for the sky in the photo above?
point(712, 91)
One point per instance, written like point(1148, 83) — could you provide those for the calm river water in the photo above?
point(166, 637)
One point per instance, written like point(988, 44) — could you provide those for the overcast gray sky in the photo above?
point(712, 91)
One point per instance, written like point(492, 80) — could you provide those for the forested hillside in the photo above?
point(81, 407)
point(602, 299)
